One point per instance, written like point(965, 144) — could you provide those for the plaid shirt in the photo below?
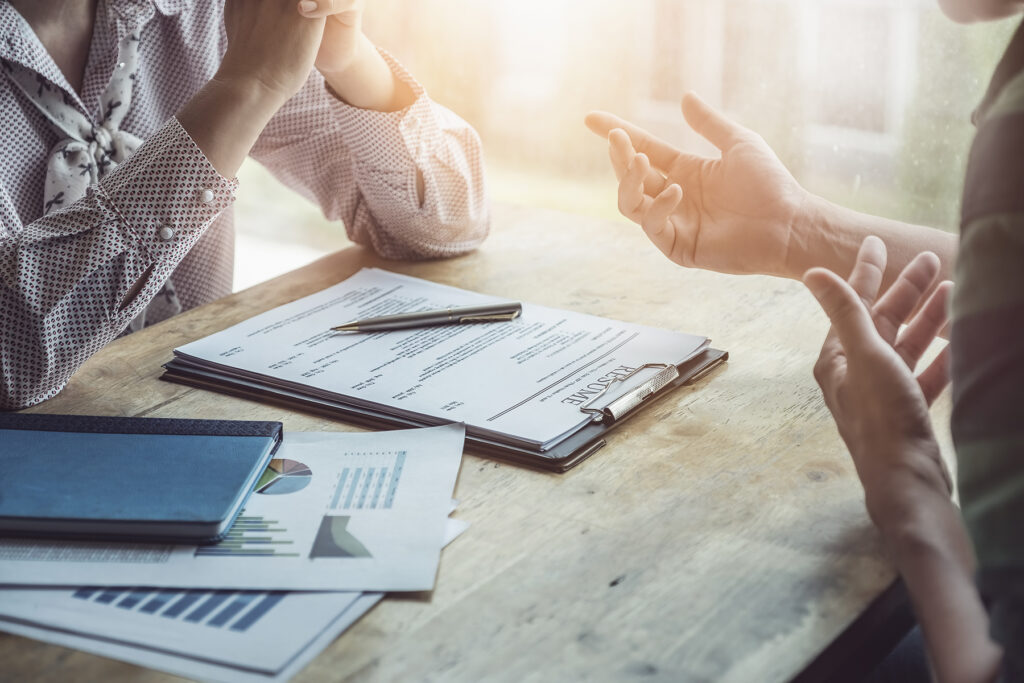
point(165, 212)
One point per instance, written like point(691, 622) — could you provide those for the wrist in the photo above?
point(342, 66)
point(366, 81)
point(260, 92)
point(896, 494)
point(225, 118)
point(816, 238)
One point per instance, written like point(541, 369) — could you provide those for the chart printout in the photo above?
point(238, 636)
point(524, 379)
point(333, 511)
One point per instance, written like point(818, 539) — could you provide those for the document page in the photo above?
point(208, 635)
point(522, 381)
point(333, 511)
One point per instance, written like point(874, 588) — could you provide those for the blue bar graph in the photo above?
point(395, 477)
point(240, 602)
point(155, 603)
point(261, 608)
point(352, 490)
point(133, 598)
point(237, 610)
point(206, 609)
point(181, 606)
point(368, 487)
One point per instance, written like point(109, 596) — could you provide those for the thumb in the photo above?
point(709, 123)
point(844, 308)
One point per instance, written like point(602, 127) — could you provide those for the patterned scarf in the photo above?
point(90, 150)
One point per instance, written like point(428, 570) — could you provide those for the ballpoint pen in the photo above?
point(507, 310)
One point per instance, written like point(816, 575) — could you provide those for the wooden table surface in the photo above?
point(721, 535)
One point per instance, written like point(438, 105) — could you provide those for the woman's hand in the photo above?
point(866, 374)
point(270, 53)
point(348, 60)
point(343, 38)
point(269, 44)
point(734, 214)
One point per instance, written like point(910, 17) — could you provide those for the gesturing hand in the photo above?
point(733, 214)
point(866, 372)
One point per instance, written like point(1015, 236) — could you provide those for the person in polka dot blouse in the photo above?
point(124, 123)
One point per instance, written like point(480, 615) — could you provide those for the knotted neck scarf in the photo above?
point(90, 150)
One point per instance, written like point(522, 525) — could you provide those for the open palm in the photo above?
point(732, 214)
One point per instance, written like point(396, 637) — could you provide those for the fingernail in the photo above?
point(308, 6)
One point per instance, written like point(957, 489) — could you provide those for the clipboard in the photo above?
point(565, 455)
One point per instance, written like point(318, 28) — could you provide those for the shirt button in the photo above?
point(166, 232)
point(206, 196)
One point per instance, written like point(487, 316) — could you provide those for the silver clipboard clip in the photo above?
point(621, 406)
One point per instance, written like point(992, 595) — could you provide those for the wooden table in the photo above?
point(721, 535)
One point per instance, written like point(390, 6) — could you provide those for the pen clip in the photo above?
point(621, 406)
point(511, 315)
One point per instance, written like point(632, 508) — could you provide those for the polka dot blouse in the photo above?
point(155, 234)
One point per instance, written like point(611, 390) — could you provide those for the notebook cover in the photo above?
point(139, 479)
point(561, 458)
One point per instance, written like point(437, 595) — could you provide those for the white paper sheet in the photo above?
point(348, 512)
point(522, 380)
point(269, 640)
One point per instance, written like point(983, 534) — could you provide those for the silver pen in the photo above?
point(508, 310)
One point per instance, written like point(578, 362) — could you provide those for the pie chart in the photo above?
point(284, 476)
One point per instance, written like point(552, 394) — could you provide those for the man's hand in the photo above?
point(733, 214)
point(866, 374)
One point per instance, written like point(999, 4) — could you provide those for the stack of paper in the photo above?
point(354, 515)
point(518, 385)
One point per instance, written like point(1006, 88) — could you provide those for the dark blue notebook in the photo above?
point(128, 478)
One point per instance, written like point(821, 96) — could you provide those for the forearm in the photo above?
point(367, 81)
point(927, 540)
point(226, 118)
point(829, 235)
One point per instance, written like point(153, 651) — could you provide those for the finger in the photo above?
point(830, 366)
point(922, 330)
point(324, 8)
point(655, 219)
point(850, 318)
point(662, 154)
point(934, 378)
point(868, 269)
point(905, 294)
point(631, 188)
point(621, 152)
point(713, 126)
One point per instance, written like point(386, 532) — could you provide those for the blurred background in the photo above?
point(867, 102)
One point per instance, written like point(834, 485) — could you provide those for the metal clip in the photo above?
point(633, 398)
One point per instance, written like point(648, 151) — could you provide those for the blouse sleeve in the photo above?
point(365, 168)
point(71, 281)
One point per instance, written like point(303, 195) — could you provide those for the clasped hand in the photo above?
point(278, 42)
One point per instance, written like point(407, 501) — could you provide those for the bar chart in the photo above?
point(252, 536)
point(234, 610)
point(368, 487)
